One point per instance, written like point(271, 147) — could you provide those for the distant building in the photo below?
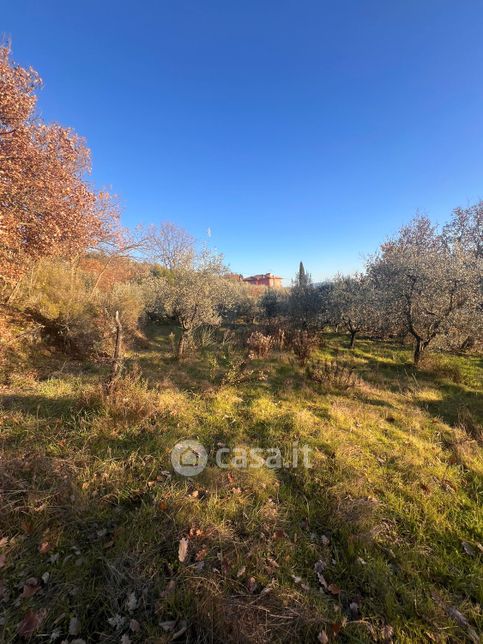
point(268, 279)
point(235, 277)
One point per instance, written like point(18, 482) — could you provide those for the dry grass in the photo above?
point(92, 510)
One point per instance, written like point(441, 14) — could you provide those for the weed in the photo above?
point(332, 374)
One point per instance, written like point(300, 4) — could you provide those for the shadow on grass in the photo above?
point(456, 400)
point(37, 405)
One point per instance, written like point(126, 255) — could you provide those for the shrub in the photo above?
point(331, 374)
point(303, 343)
point(259, 345)
point(76, 317)
point(279, 338)
point(236, 372)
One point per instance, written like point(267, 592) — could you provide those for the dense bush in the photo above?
point(74, 315)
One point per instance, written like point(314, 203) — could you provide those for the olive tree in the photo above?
point(463, 236)
point(425, 282)
point(353, 304)
point(241, 302)
point(192, 296)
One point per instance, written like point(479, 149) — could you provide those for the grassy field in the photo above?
point(378, 541)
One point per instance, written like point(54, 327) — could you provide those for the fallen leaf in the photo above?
point(195, 494)
point(31, 622)
point(3, 542)
point(324, 540)
point(322, 637)
point(131, 602)
point(252, 585)
point(168, 625)
point(333, 589)
point(201, 554)
point(241, 572)
point(44, 548)
point(458, 616)
point(163, 506)
point(335, 628)
point(195, 533)
point(183, 626)
point(170, 587)
point(468, 548)
point(116, 622)
point(27, 527)
point(30, 587)
point(387, 633)
point(135, 626)
point(56, 633)
point(74, 626)
point(183, 549)
point(319, 567)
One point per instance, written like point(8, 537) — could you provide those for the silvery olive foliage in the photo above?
point(304, 301)
point(192, 295)
point(354, 304)
point(429, 282)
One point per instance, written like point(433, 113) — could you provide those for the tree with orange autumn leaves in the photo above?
point(47, 207)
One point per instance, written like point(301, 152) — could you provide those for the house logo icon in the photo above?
point(189, 458)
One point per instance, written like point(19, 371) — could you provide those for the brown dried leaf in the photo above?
point(201, 554)
point(31, 622)
point(183, 549)
point(135, 626)
point(468, 548)
point(30, 587)
point(44, 547)
point(333, 589)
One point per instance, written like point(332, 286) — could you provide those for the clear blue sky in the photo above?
point(293, 129)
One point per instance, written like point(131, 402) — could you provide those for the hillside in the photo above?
point(379, 541)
